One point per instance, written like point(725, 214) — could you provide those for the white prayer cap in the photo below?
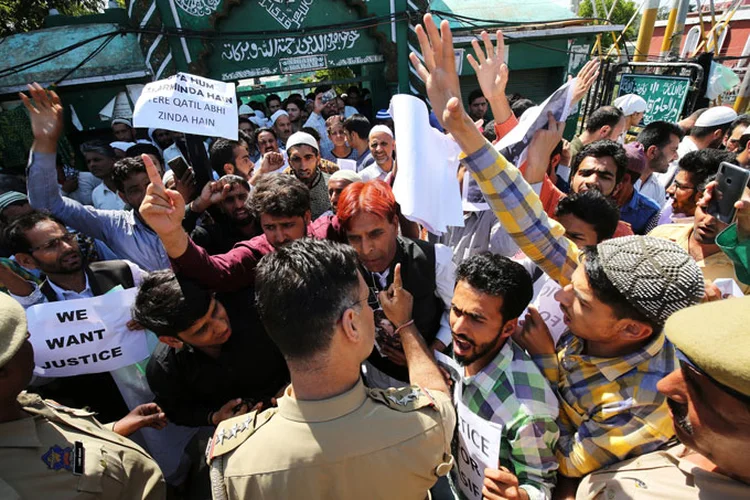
point(631, 103)
point(718, 115)
point(299, 138)
point(385, 129)
point(124, 121)
point(121, 145)
point(245, 110)
point(258, 121)
point(346, 175)
point(168, 176)
point(260, 114)
point(276, 116)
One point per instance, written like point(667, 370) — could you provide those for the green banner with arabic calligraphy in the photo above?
point(665, 95)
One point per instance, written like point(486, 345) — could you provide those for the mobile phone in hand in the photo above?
point(179, 166)
point(731, 182)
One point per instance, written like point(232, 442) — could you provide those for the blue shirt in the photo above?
point(641, 212)
point(124, 233)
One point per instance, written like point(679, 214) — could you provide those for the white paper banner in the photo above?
point(345, 164)
point(189, 104)
point(549, 307)
point(74, 337)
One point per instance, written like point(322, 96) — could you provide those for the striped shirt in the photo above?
point(611, 409)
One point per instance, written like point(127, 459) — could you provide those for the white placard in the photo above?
point(74, 337)
point(190, 104)
point(478, 449)
point(549, 307)
point(728, 287)
point(345, 164)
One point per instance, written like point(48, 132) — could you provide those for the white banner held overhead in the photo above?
point(190, 104)
point(80, 336)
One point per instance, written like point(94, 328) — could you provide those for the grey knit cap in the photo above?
point(655, 275)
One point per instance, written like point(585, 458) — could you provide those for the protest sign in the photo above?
point(478, 448)
point(549, 307)
point(75, 337)
point(345, 164)
point(190, 104)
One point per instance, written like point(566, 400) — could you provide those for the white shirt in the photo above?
point(652, 188)
point(37, 297)
point(374, 172)
point(104, 198)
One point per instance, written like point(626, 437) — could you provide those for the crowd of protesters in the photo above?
point(591, 313)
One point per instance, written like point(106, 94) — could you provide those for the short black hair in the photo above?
point(243, 119)
point(233, 180)
point(658, 134)
point(260, 130)
point(222, 152)
point(498, 276)
point(474, 95)
point(272, 97)
point(594, 208)
point(601, 149)
point(144, 149)
point(98, 146)
point(606, 115)
point(489, 131)
point(167, 305)
point(280, 196)
point(359, 124)
point(740, 120)
point(14, 236)
point(320, 90)
point(703, 164)
point(520, 106)
point(699, 132)
point(606, 292)
point(126, 167)
point(313, 132)
point(316, 279)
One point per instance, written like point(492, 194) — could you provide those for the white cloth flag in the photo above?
point(74, 337)
point(427, 160)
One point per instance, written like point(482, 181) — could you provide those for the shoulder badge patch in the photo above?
point(231, 433)
point(403, 399)
point(58, 458)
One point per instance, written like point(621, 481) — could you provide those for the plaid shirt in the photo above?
point(512, 392)
point(611, 409)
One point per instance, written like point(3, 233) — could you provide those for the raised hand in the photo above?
point(211, 194)
point(541, 147)
point(46, 113)
point(490, 67)
point(396, 301)
point(584, 80)
point(163, 209)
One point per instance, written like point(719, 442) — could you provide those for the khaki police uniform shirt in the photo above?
point(365, 443)
point(661, 474)
point(37, 458)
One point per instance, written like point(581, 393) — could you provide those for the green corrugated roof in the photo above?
point(499, 12)
point(120, 59)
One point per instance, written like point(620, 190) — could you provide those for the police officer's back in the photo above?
point(330, 436)
point(51, 451)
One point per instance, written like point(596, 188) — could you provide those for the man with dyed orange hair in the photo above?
point(368, 214)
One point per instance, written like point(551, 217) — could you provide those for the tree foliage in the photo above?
point(17, 16)
point(331, 75)
point(624, 10)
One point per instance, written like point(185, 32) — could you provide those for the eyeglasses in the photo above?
point(54, 243)
point(683, 187)
point(351, 306)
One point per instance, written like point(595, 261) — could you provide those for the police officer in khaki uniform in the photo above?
point(51, 451)
point(709, 396)
point(330, 436)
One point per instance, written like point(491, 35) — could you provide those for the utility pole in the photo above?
point(670, 46)
point(646, 32)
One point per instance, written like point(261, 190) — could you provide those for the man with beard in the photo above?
point(696, 168)
point(304, 157)
point(500, 383)
point(660, 142)
point(123, 130)
point(231, 157)
point(699, 240)
point(708, 132)
point(40, 241)
point(124, 232)
point(382, 145)
point(709, 398)
point(606, 123)
point(616, 296)
point(231, 223)
point(282, 125)
point(272, 160)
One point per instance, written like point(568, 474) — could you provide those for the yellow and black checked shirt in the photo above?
point(610, 408)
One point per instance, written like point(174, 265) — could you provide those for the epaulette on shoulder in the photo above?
point(234, 431)
point(404, 399)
